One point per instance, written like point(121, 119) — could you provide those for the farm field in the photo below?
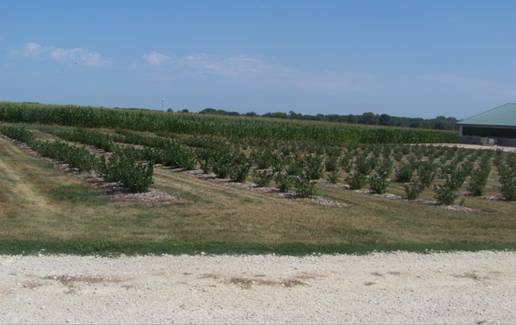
point(248, 162)
point(90, 180)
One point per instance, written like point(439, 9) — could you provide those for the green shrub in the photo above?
point(205, 159)
point(356, 180)
point(263, 177)
point(97, 139)
point(303, 186)
point(295, 166)
point(176, 155)
point(413, 190)
point(346, 163)
point(17, 132)
point(330, 164)
point(456, 178)
point(263, 159)
point(121, 167)
point(510, 160)
point(313, 167)
point(508, 184)
point(239, 167)
point(222, 163)
point(385, 167)
point(76, 157)
point(444, 194)
point(363, 164)
point(283, 181)
point(378, 182)
point(404, 173)
point(467, 168)
point(479, 177)
point(426, 173)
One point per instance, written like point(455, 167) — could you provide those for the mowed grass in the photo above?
point(43, 208)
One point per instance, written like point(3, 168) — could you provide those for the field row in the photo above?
point(447, 172)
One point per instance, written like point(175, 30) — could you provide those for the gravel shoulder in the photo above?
point(377, 288)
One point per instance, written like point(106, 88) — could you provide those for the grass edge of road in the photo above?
point(111, 248)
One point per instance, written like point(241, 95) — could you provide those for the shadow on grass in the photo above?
point(77, 193)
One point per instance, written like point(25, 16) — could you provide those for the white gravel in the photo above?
point(475, 146)
point(377, 288)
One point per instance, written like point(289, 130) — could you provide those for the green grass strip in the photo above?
point(111, 248)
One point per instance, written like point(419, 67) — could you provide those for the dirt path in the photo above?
point(379, 288)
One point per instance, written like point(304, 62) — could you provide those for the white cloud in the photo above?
point(228, 66)
point(77, 55)
point(32, 49)
point(257, 70)
point(156, 58)
point(209, 64)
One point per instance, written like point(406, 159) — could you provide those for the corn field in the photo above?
point(226, 126)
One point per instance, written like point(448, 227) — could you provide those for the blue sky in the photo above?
point(408, 58)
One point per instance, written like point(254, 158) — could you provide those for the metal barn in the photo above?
point(495, 126)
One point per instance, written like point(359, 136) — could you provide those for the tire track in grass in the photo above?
point(203, 190)
point(16, 179)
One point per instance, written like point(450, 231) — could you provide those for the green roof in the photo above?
point(504, 115)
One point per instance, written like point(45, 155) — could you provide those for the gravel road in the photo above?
point(377, 288)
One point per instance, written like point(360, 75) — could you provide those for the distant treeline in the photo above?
point(438, 123)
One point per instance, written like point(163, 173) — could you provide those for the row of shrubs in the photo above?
point(211, 156)
point(296, 166)
point(507, 171)
point(229, 161)
point(290, 169)
point(121, 166)
point(419, 175)
point(373, 164)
